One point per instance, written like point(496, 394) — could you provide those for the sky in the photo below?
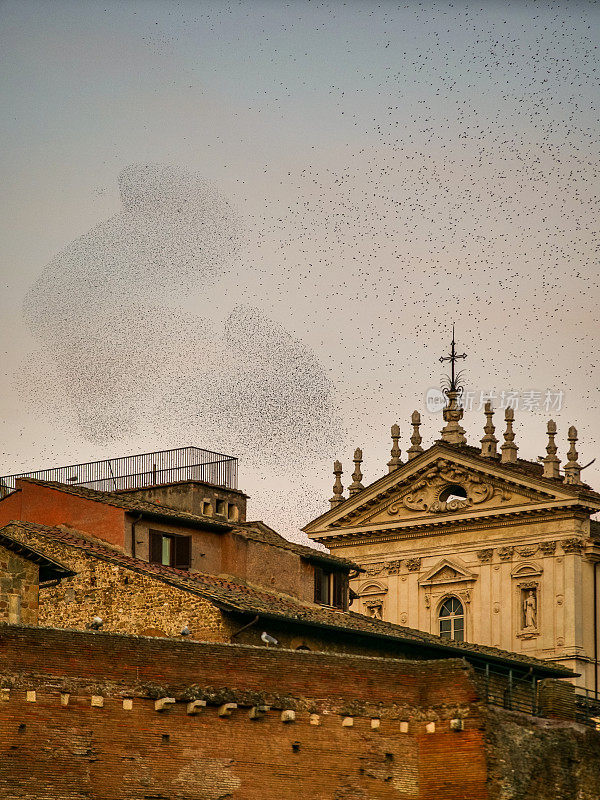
point(250, 227)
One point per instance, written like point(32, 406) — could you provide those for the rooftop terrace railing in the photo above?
point(138, 471)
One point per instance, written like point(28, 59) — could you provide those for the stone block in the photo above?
point(97, 701)
point(226, 709)
point(288, 715)
point(163, 703)
point(195, 706)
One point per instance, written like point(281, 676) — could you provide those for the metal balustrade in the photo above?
point(138, 471)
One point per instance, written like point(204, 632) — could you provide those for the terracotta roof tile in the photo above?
point(260, 532)
point(233, 594)
point(132, 504)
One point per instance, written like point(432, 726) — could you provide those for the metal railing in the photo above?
point(587, 707)
point(510, 689)
point(138, 471)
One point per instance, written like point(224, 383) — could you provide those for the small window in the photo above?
point(170, 550)
point(454, 492)
point(232, 512)
point(331, 588)
point(221, 507)
point(452, 620)
point(207, 508)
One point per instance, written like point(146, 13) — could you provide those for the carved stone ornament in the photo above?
point(393, 567)
point(527, 551)
point(547, 548)
point(427, 601)
point(424, 494)
point(375, 608)
point(573, 545)
point(413, 564)
point(374, 569)
point(485, 555)
point(505, 553)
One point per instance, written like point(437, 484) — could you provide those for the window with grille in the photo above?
point(452, 620)
point(170, 550)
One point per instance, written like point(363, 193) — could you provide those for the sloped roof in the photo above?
point(233, 594)
point(528, 470)
point(133, 505)
point(259, 532)
point(256, 531)
point(50, 569)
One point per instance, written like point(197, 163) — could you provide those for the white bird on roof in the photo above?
point(97, 623)
point(267, 639)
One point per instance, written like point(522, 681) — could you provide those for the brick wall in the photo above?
point(359, 726)
point(80, 717)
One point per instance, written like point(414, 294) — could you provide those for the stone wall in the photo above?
point(19, 589)
point(126, 600)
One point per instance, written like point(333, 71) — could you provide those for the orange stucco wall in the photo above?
point(45, 506)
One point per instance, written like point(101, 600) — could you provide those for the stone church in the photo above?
point(476, 544)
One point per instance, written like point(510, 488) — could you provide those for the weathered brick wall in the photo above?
point(360, 726)
point(78, 718)
point(19, 585)
point(126, 600)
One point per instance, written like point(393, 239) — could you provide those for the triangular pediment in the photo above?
point(448, 570)
point(444, 483)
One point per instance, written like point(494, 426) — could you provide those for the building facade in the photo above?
point(476, 544)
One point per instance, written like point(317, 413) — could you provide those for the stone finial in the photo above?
point(452, 432)
point(394, 463)
point(509, 448)
point(338, 489)
point(572, 468)
point(356, 485)
point(551, 462)
point(489, 442)
point(415, 440)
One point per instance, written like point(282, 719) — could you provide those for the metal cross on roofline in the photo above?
point(453, 358)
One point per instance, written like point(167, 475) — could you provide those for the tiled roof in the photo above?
point(257, 531)
point(232, 594)
point(133, 504)
point(50, 569)
point(260, 532)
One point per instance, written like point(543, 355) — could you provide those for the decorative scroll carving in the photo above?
point(547, 548)
point(485, 555)
point(376, 568)
point(424, 494)
point(573, 545)
point(505, 553)
point(413, 564)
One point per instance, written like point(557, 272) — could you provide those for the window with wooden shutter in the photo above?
point(183, 551)
point(155, 549)
point(339, 590)
point(170, 550)
point(318, 584)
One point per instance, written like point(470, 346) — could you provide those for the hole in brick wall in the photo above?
point(389, 757)
point(22, 727)
point(296, 747)
point(126, 580)
point(166, 738)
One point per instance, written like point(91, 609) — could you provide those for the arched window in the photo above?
point(452, 620)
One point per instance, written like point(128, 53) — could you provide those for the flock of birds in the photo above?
point(465, 190)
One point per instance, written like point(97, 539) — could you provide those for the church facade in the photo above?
point(476, 544)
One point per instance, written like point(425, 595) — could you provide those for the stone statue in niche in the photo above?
point(529, 609)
